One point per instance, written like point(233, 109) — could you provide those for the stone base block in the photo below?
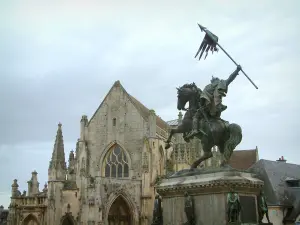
point(209, 193)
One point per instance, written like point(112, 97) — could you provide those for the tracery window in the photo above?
point(116, 163)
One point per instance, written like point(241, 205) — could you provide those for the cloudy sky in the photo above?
point(58, 60)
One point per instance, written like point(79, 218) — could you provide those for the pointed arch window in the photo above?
point(116, 163)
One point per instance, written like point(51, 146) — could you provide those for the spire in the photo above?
point(58, 156)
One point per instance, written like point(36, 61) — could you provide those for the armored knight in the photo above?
point(211, 100)
point(157, 211)
point(234, 206)
point(263, 207)
point(189, 209)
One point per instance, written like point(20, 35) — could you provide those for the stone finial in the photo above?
point(84, 119)
point(34, 173)
point(117, 83)
point(152, 111)
point(15, 184)
point(59, 125)
point(71, 155)
point(180, 116)
point(68, 207)
point(45, 187)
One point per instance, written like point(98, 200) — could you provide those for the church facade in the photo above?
point(111, 176)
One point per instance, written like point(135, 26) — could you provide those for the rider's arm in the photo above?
point(233, 75)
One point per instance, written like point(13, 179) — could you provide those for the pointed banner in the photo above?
point(209, 43)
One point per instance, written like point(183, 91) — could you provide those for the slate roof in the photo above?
point(277, 191)
point(243, 159)
point(173, 122)
point(146, 112)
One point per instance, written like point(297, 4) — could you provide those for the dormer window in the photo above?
point(292, 182)
point(114, 122)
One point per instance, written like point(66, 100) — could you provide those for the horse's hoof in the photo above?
point(167, 146)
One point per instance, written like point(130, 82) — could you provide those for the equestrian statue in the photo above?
point(203, 118)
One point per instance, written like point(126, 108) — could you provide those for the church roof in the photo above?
point(144, 111)
point(243, 159)
point(276, 176)
point(173, 122)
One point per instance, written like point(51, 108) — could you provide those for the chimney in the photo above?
point(281, 159)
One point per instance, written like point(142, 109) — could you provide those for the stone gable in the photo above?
point(117, 120)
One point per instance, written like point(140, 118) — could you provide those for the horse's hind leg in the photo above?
point(221, 150)
point(207, 154)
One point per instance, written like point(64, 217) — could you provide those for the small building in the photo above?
point(281, 188)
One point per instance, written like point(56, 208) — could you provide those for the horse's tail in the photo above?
point(235, 137)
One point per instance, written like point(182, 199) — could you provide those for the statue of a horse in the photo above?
point(218, 132)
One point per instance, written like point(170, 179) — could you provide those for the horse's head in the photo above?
point(185, 94)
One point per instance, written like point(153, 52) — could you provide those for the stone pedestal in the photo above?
point(209, 189)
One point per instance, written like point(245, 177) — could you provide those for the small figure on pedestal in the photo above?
point(234, 206)
point(157, 212)
point(262, 207)
point(189, 209)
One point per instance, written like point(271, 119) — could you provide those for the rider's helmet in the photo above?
point(214, 79)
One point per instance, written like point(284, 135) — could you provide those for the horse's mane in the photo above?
point(192, 85)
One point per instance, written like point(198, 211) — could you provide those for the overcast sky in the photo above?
point(58, 61)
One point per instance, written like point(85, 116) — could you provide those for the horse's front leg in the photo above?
point(168, 145)
point(180, 129)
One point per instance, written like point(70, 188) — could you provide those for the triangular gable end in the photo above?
point(143, 110)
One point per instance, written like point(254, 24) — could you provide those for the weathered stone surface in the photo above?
point(209, 191)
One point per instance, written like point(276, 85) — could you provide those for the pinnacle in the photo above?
point(58, 155)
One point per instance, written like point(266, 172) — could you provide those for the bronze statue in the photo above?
point(157, 212)
point(211, 100)
point(189, 209)
point(234, 206)
point(263, 207)
point(205, 108)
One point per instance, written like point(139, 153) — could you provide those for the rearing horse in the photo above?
point(219, 132)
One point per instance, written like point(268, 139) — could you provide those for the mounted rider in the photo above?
point(210, 105)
